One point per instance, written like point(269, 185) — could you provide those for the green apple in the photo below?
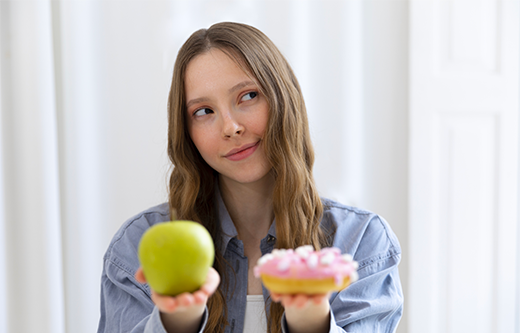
point(175, 256)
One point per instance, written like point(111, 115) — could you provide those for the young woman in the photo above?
point(240, 145)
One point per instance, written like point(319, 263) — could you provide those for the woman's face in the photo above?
point(227, 117)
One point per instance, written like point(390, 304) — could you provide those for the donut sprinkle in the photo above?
point(305, 263)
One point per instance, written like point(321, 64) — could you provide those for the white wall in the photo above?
point(386, 120)
point(463, 217)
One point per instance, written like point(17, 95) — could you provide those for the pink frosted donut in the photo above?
point(305, 271)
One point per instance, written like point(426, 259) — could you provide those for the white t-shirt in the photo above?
point(255, 321)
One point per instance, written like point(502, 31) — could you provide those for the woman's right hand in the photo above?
point(184, 311)
point(169, 304)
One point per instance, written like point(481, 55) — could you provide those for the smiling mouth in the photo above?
point(241, 149)
point(242, 152)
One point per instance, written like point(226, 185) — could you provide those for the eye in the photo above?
point(202, 112)
point(249, 95)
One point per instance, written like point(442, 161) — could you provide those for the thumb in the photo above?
point(139, 275)
point(212, 282)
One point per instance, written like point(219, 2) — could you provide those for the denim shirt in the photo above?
point(374, 303)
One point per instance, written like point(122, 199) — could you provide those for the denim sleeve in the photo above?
point(126, 305)
point(374, 303)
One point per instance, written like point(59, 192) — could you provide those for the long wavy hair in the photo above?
point(296, 203)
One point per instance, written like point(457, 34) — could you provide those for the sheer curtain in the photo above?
point(83, 94)
point(32, 294)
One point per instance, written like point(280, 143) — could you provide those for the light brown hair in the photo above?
point(296, 203)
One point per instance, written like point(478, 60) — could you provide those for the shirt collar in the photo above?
point(229, 231)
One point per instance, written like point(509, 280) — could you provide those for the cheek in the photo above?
point(261, 125)
point(205, 144)
point(202, 144)
point(198, 134)
point(195, 137)
point(258, 124)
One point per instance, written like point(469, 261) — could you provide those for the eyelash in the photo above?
point(248, 93)
point(195, 113)
point(251, 92)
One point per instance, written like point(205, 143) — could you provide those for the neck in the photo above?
point(250, 206)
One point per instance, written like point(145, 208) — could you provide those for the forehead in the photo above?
point(213, 67)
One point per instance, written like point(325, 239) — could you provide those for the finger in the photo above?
point(200, 297)
point(300, 300)
point(276, 297)
point(165, 303)
point(287, 300)
point(139, 275)
point(318, 299)
point(186, 299)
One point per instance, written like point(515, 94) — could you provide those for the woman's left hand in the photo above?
point(305, 313)
point(300, 300)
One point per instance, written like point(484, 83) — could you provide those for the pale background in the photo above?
point(413, 109)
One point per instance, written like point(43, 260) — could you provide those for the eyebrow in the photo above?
point(236, 87)
point(195, 101)
point(241, 85)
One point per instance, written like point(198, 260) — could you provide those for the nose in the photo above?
point(231, 127)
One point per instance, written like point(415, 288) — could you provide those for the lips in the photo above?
point(240, 153)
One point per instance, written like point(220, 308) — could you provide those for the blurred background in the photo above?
point(413, 109)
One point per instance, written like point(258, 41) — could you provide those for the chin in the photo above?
point(245, 180)
point(250, 178)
